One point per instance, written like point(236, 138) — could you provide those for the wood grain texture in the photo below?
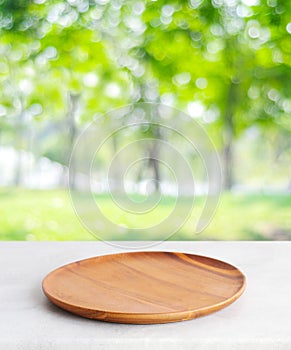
point(144, 287)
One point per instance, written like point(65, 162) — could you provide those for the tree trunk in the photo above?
point(153, 151)
point(228, 137)
point(73, 104)
point(17, 147)
point(154, 158)
point(116, 182)
point(227, 160)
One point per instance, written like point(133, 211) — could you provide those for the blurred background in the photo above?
point(226, 63)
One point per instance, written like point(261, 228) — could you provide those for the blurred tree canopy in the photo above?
point(225, 62)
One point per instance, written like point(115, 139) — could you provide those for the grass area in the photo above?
point(49, 215)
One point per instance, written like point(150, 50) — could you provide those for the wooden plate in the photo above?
point(144, 287)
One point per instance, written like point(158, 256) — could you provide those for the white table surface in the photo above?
point(260, 319)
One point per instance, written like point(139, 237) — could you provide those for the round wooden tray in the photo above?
point(144, 287)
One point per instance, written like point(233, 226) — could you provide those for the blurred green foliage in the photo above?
point(225, 62)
